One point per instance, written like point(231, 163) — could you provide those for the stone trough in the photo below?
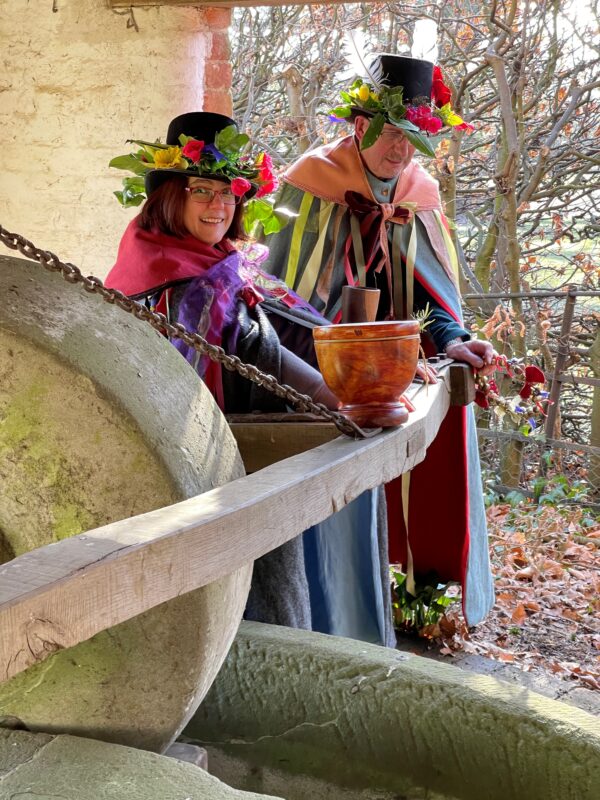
point(120, 599)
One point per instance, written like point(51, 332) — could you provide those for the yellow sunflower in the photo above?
point(170, 158)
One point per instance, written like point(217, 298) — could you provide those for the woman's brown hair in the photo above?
point(164, 210)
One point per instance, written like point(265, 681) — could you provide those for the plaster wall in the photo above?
point(78, 79)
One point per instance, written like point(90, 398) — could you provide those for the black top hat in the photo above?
point(201, 125)
point(414, 74)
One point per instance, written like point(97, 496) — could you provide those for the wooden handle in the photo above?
point(359, 304)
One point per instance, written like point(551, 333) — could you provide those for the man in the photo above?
point(367, 214)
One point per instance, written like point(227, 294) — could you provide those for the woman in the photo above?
point(179, 256)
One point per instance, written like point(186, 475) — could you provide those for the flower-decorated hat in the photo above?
point(408, 93)
point(198, 144)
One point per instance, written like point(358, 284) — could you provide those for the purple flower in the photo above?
point(544, 395)
point(519, 409)
point(333, 118)
point(217, 154)
point(532, 423)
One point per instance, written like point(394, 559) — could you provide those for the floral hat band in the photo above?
point(217, 154)
point(418, 116)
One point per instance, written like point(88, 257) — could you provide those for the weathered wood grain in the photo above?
point(59, 595)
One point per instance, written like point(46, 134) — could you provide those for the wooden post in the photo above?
point(561, 361)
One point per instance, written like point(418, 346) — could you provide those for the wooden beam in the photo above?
point(264, 443)
point(222, 3)
point(462, 385)
point(62, 594)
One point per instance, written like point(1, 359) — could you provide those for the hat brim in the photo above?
point(156, 177)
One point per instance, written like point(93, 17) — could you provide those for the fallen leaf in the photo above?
point(555, 667)
point(519, 615)
point(505, 656)
point(531, 605)
point(525, 574)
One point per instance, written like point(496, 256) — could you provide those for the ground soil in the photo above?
point(544, 630)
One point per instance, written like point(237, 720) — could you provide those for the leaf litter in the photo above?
point(546, 618)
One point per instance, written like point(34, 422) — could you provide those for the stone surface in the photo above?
point(42, 767)
point(585, 699)
point(190, 753)
point(538, 681)
point(103, 419)
point(359, 718)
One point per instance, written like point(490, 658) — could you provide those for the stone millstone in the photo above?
point(42, 767)
point(101, 419)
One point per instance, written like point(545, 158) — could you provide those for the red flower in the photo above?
point(422, 117)
point(193, 150)
point(525, 392)
point(440, 93)
point(502, 365)
point(267, 187)
point(239, 186)
point(534, 374)
point(481, 399)
point(266, 168)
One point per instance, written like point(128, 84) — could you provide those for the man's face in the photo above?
point(391, 153)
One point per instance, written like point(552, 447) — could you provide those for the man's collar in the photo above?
point(383, 189)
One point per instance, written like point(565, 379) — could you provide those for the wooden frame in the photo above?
point(221, 3)
point(59, 595)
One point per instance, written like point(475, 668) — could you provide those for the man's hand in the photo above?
point(427, 373)
point(477, 353)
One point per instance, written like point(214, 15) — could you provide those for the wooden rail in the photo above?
point(219, 3)
point(59, 595)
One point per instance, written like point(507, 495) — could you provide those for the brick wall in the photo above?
point(217, 71)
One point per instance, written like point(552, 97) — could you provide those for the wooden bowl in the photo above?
point(368, 366)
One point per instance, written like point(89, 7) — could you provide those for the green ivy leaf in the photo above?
point(420, 142)
point(229, 140)
point(131, 163)
point(373, 131)
point(341, 111)
point(405, 125)
point(128, 200)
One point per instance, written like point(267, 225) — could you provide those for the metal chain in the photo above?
point(72, 274)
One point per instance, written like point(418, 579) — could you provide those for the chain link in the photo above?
point(302, 402)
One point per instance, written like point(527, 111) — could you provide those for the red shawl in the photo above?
point(149, 260)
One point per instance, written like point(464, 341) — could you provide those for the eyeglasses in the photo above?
point(201, 194)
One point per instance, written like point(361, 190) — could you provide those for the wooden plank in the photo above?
point(62, 594)
point(263, 443)
point(462, 384)
point(539, 441)
point(222, 3)
point(566, 377)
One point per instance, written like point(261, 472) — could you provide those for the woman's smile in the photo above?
point(207, 220)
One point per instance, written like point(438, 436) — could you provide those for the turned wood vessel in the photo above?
point(368, 366)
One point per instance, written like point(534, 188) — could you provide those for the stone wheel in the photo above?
point(101, 419)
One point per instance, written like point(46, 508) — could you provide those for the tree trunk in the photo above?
point(294, 86)
point(594, 473)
